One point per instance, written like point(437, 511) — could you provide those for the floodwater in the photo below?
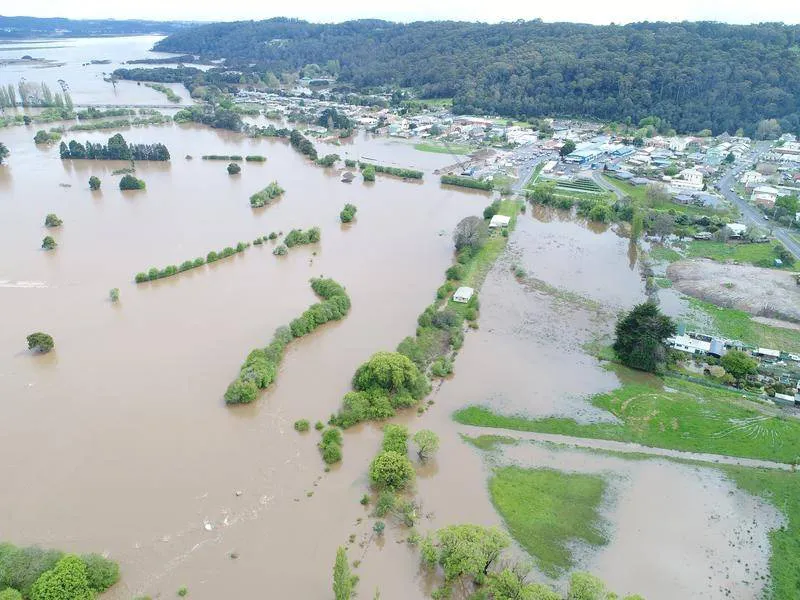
point(65, 59)
point(118, 441)
point(677, 531)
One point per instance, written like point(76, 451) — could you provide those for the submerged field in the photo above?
point(679, 415)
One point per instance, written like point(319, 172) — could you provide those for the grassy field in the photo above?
point(437, 102)
point(441, 149)
point(782, 490)
point(761, 255)
point(739, 325)
point(681, 416)
point(546, 511)
point(639, 195)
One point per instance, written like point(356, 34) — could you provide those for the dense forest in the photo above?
point(26, 27)
point(694, 76)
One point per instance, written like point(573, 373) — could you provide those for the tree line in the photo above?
point(695, 76)
point(116, 149)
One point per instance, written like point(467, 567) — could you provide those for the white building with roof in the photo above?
point(764, 195)
point(499, 221)
point(463, 294)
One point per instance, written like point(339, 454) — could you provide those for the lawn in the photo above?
point(679, 415)
point(442, 149)
point(662, 253)
point(546, 511)
point(639, 195)
point(738, 325)
point(782, 490)
point(762, 255)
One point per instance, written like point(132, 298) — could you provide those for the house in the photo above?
point(684, 343)
point(784, 399)
point(736, 230)
point(767, 353)
point(463, 294)
point(499, 221)
point(688, 179)
point(752, 177)
point(764, 195)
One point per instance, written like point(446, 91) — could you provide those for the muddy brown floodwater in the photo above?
point(118, 441)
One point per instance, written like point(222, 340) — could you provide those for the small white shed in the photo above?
point(499, 221)
point(463, 294)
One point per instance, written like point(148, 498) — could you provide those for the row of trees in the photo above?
point(300, 237)
point(155, 273)
point(396, 171)
point(115, 149)
point(693, 76)
point(302, 144)
point(261, 366)
point(33, 94)
point(467, 182)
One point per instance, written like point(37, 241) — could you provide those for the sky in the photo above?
point(584, 11)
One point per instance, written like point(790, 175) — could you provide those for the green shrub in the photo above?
point(467, 182)
point(391, 470)
point(182, 591)
point(255, 158)
point(456, 272)
point(280, 250)
point(52, 220)
point(40, 342)
point(442, 367)
point(368, 173)
point(48, 243)
point(273, 235)
point(68, 580)
point(21, 567)
point(241, 392)
point(395, 437)
point(10, 594)
point(319, 425)
point(94, 183)
point(301, 425)
point(101, 572)
point(267, 195)
point(212, 257)
point(113, 295)
point(331, 445)
point(129, 182)
point(349, 163)
point(348, 212)
point(234, 169)
point(141, 278)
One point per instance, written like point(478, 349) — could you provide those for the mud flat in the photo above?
point(758, 291)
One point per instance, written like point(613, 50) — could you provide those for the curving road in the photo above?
point(751, 215)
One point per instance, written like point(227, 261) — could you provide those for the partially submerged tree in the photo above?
point(640, 337)
point(48, 243)
point(343, 580)
point(472, 233)
point(234, 169)
point(52, 220)
point(94, 183)
point(464, 551)
point(427, 443)
point(3, 152)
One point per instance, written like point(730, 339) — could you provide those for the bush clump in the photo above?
point(234, 169)
point(298, 237)
point(48, 243)
point(301, 425)
point(330, 446)
point(391, 470)
point(348, 213)
point(267, 195)
point(395, 437)
point(280, 250)
point(129, 182)
point(94, 183)
point(52, 220)
point(40, 342)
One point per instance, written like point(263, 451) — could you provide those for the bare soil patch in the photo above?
point(760, 292)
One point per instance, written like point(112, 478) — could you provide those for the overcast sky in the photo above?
point(585, 11)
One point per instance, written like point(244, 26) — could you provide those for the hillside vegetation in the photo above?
point(693, 76)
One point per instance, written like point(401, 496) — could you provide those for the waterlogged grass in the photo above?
point(638, 193)
point(489, 443)
point(442, 149)
point(680, 415)
point(546, 511)
point(782, 490)
point(738, 325)
point(663, 282)
point(761, 255)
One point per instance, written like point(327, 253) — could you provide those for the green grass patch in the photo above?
point(663, 282)
point(683, 416)
point(489, 443)
point(638, 193)
point(442, 149)
point(762, 255)
point(437, 102)
point(664, 254)
point(546, 511)
point(782, 490)
point(738, 325)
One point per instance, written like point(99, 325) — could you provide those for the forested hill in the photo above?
point(28, 27)
point(695, 75)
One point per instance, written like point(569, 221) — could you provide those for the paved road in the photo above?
point(753, 216)
point(626, 447)
point(597, 176)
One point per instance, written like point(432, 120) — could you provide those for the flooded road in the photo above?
point(118, 441)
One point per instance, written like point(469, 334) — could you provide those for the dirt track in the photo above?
point(760, 292)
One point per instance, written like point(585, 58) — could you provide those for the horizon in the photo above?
point(315, 11)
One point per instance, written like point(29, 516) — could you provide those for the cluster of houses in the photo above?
point(777, 175)
point(699, 344)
